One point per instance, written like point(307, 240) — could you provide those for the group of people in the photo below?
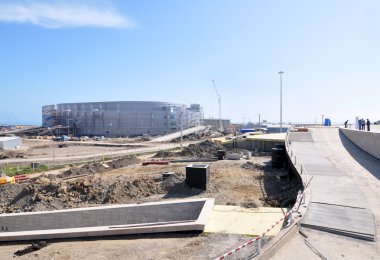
point(362, 123)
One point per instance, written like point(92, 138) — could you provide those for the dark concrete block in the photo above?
point(198, 176)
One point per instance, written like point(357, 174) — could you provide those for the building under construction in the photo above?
point(121, 118)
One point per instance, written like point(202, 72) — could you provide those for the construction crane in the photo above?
point(220, 108)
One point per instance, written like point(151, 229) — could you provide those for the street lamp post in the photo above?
point(259, 121)
point(280, 72)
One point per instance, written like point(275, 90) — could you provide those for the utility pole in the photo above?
point(52, 145)
point(181, 126)
point(280, 72)
point(220, 107)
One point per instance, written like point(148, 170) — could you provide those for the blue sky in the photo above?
point(75, 51)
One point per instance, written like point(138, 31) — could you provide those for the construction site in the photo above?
point(113, 144)
point(94, 187)
point(196, 192)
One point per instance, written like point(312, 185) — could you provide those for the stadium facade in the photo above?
point(121, 118)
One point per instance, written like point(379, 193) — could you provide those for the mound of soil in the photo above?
point(205, 149)
point(100, 167)
point(164, 154)
point(123, 162)
point(49, 193)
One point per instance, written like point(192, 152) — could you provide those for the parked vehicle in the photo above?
point(377, 122)
point(21, 155)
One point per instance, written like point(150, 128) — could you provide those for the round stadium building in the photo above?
point(121, 118)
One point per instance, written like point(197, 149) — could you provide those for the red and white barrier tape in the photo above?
point(262, 235)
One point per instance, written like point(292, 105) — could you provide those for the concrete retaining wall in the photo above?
point(107, 220)
point(275, 245)
point(254, 145)
point(367, 141)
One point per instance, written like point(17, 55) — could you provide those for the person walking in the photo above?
point(363, 124)
point(368, 125)
point(345, 124)
point(360, 124)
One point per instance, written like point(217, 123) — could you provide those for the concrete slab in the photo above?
point(238, 220)
point(170, 216)
point(353, 222)
point(278, 137)
point(336, 203)
point(308, 147)
point(337, 190)
point(300, 136)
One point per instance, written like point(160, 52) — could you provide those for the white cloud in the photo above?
point(59, 15)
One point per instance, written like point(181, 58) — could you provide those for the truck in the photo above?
point(62, 138)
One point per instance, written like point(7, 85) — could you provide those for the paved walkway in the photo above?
point(169, 137)
point(344, 199)
point(337, 205)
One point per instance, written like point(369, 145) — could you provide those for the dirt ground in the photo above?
point(182, 245)
point(247, 183)
point(241, 183)
point(35, 149)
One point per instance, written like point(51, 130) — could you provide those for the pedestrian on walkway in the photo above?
point(363, 124)
point(345, 124)
point(360, 124)
point(368, 125)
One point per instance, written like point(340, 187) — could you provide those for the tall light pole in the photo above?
point(259, 121)
point(280, 72)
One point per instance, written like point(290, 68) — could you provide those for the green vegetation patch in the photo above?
point(27, 169)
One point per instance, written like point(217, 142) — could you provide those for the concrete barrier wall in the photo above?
point(168, 216)
point(91, 217)
point(252, 145)
point(367, 141)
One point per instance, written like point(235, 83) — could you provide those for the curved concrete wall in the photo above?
point(367, 141)
point(121, 118)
